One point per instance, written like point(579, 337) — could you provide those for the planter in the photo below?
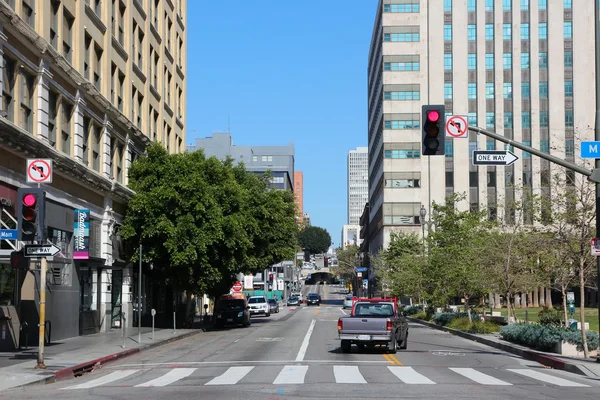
point(568, 349)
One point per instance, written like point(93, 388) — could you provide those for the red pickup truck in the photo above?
point(373, 322)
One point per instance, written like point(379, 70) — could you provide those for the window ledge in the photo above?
point(168, 110)
point(179, 122)
point(117, 46)
point(155, 33)
point(180, 72)
point(168, 55)
point(139, 72)
point(180, 22)
point(140, 9)
point(155, 92)
point(95, 18)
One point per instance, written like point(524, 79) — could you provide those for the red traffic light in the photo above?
point(270, 277)
point(433, 116)
point(29, 200)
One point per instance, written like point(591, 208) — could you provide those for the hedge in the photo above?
point(444, 318)
point(546, 337)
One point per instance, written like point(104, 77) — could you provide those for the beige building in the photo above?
point(522, 68)
point(88, 84)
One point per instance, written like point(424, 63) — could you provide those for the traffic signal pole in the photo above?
point(597, 137)
point(42, 325)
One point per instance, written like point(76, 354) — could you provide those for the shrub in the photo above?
point(550, 316)
point(461, 324)
point(444, 318)
point(483, 327)
point(423, 315)
point(411, 310)
point(546, 337)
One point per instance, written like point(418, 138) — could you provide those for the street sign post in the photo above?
point(457, 127)
point(39, 170)
point(9, 234)
point(494, 157)
point(40, 250)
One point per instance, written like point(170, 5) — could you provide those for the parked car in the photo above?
point(273, 305)
point(231, 310)
point(293, 301)
point(259, 306)
point(348, 301)
point(313, 298)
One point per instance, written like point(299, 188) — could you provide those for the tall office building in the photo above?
point(87, 84)
point(520, 68)
point(299, 195)
point(358, 183)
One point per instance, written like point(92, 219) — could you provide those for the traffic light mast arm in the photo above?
point(593, 175)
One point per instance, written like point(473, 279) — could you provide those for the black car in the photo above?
point(313, 298)
point(293, 301)
point(231, 312)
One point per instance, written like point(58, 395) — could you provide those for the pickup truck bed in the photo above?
point(373, 322)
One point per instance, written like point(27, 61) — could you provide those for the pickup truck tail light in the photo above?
point(388, 325)
point(340, 324)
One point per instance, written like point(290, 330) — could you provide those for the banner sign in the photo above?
point(81, 233)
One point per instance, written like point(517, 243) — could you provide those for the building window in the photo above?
point(412, 95)
point(490, 120)
point(524, 5)
point(508, 120)
point(524, 31)
point(27, 13)
point(472, 32)
point(472, 61)
point(544, 146)
point(489, 31)
point(569, 118)
point(156, 67)
point(507, 60)
point(489, 90)
point(401, 37)
point(508, 90)
point(525, 119)
point(401, 66)
point(568, 30)
point(401, 154)
point(506, 5)
point(525, 90)
point(52, 114)
point(568, 59)
point(98, 67)
point(87, 60)
point(448, 91)
point(67, 111)
point(403, 124)
point(543, 119)
point(86, 140)
point(543, 60)
point(568, 88)
point(543, 90)
point(67, 35)
point(471, 6)
point(401, 8)
point(447, 61)
point(449, 147)
point(8, 88)
point(568, 4)
point(490, 145)
point(26, 121)
point(524, 60)
point(447, 5)
point(489, 61)
point(54, 6)
point(447, 32)
point(489, 5)
point(543, 30)
point(96, 140)
point(507, 31)
point(543, 4)
point(570, 148)
point(121, 91)
point(472, 91)
point(472, 119)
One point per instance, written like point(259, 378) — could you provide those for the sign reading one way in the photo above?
point(494, 157)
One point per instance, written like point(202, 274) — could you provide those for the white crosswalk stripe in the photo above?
point(172, 376)
point(479, 377)
point(342, 374)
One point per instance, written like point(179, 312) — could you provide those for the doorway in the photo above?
point(116, 298)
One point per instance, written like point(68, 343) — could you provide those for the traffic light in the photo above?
point(271, 277)
point(18, 260)
point(434, 130)
point(31, 206)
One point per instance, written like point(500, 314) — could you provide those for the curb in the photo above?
point(89, 366)
point(527, 354)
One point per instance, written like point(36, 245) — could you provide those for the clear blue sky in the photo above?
point(285, 71)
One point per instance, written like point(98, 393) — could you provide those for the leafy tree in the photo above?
point(347, 262)
point(315, 240)
point(201, 221)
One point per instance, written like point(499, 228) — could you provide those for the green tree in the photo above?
point(348, 259)
point(315, 240)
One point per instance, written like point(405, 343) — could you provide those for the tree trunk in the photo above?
point(536, 302)
point(549, 295)
point(563, 291)
point(529, 298)
point(508, 308)
point(497, 302)
point(582, 306)
point(468, 309)
point(542, 291)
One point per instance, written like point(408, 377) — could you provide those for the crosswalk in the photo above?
point(296, 374)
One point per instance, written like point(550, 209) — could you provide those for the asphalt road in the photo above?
point(295, 355)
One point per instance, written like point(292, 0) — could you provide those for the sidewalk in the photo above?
point(72, 357)
point(589, 367)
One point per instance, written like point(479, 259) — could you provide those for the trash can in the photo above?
point(572, 323)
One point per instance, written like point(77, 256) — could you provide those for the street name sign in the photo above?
point(494, 157)
point(40, 250)
point(8, 234)
point(590, 150)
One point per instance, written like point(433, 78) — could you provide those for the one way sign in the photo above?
point(494, 157)
point(40, 250)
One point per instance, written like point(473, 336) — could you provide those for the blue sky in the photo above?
point(285, 71)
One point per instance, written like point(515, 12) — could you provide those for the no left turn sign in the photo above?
point(39, 170)
point(457, 127)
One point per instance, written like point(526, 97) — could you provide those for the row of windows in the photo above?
point(507, 90)
point(405, 124)
point(396, 154)
point(507, 31)
point(412, 95)
point(401, 66)
point(506, 5)
point(401, 8)
point(507, 60)
point(401, 37)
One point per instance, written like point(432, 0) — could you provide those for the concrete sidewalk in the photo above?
point(73, 357)
point(589, 367)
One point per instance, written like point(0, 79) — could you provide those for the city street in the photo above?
point(296, 354)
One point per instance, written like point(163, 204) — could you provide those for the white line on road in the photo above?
point(291, 374)
point(409, 375)
point(546, 378)
point(479, 377)
point(113, 376)
point(230, 377)
point(275, 362)
point(344, 311)
point(172, 376)
point(304, 347)
point(347, 374)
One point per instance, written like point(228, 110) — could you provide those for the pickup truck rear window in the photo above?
point(374, 310)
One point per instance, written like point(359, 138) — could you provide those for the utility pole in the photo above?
point(140, 299)
point(597, 138)
point(42, 326)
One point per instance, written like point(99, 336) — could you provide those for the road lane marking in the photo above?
point(230, 377)
point(113, 376)
point(410, 376)
point(343, 311)
point(304, 346)
point(347, 374)
point(546, 378)
point(389, 358)
point(393, 358)
point(241, 362)
point(172, 376)
point(479, 377)
point(291, 374)
point(316, 311)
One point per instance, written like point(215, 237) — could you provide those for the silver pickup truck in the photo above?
point(373, 322)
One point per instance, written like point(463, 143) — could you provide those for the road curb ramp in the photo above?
point(528, 354)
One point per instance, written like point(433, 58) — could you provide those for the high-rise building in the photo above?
point(358, 183)
point(299, 195)
point(88, 85)
point(508, 66)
